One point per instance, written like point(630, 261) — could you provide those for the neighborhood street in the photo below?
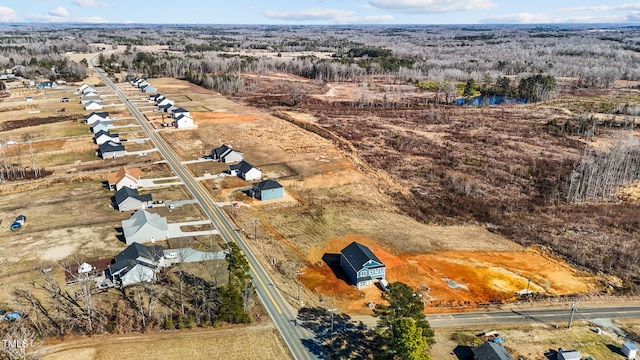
point(283, 315)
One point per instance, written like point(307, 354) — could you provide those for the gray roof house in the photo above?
point(226, 154)
point(101, 125)
point(361, 265)
point(148, 89)
point(95, 116)
point(127, 199)
point(88, 98)
point(245, 171)
point(111, 149)
point(490, 351)
point(93, 105)
point(569, 355)
point(103, 136)
point(135, 264)
point(144, 226)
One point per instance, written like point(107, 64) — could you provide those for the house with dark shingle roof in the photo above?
point(103, 136)
point(111, 150)
point(127, 199)
point(226, 154)
point(490, 351)
point(135, 264)
point(361, 265)
point(267, 190)
point(245, 171)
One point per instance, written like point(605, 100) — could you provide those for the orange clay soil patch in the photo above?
point(221, 118)
point(447, 278)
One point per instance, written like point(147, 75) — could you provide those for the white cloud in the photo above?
point(88, 3)
point(8, 14)
point(431, 6)
point(309, 14)
point(600, 8)
point(58, 19)
point(374, 19)
point(59, 11)
point(531, 18)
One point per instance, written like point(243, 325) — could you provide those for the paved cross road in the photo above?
point(546, 316)
point(282, 314)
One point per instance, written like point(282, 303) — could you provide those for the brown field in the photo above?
point(260, 341)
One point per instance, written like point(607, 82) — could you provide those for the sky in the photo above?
point(320, 12)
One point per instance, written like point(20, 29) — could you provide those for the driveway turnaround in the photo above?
point(175, 232)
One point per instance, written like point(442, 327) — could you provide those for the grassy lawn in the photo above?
point(68, 158)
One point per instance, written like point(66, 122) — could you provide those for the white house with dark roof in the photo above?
point(176, 113)
point(226, 154)
point(165, 101)
point(127, 199)
point(184, 122)
point(144, 226)
point(111, 150)
point(245, 171)
point(361, 265)
point(136, 264)
point(103, 136)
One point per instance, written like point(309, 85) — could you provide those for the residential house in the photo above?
point(490, 351)
point(47, 85)
point(124, 177)
point(82, 87)
point(148, 89)
point(103, 136)
point(184, 122)
point(153, 98)
point(101, 125)
point(165, 101)
point(144, 226)
point(111, 150)
point(135, 264)
point(245, 171)
point(95, 116)
point(361, 265)
point(168, 107)
point(267, 190)
point(226, 154)
point(127, 199)
point(176, 113)
point(84, 100)
point(93, 105)
point(569, 355)
point(89, 90)
point(141, 84)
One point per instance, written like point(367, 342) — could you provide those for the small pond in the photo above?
point(489, 100)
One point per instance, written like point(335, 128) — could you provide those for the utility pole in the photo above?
point(299, 284)
point(332, 311)
point(573, 310)
point(255, 229)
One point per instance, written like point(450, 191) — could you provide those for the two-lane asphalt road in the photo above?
point(280, 311)
point(546, 316)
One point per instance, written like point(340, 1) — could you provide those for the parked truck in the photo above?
point(19, 222)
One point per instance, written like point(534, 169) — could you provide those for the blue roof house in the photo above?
point(361, 265)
